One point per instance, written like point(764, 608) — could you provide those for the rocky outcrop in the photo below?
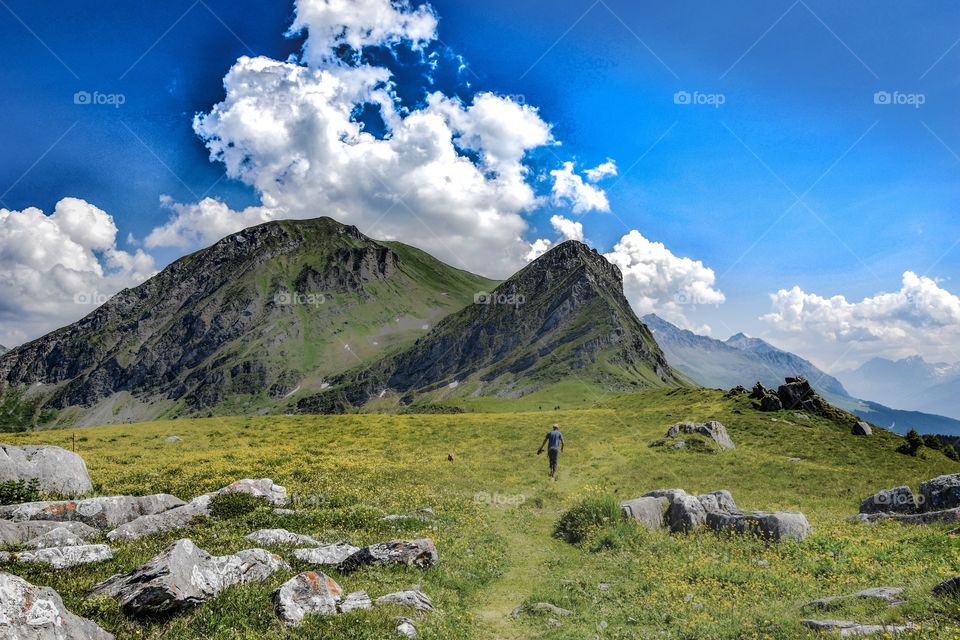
point(38, 613)
point(795, 395)
point(183, 576)
point(21, 533)
point(717, 510)
point(848, 629)
point(308, 593)
point(281, 537)
point(897, 500)
point(416, 553)
point(712, 430)
point(947, 516)
point(417, 600)
point(940, 493)
point(181, 516)
point(56, 470)
point(66, 557)
point(326, 554)
point(101, 513)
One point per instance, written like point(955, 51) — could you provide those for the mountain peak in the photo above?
point(563, 312)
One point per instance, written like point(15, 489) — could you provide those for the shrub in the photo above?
point(17, 491)
point(586, 516)
point(912, 445)
point(234, 505)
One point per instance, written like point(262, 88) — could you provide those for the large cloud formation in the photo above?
point(451, 175)
point(657, 281)
point(58, 267)
point(922, 317)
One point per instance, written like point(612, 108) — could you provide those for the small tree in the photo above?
point(912, 444)
point(931, 441)
point(952, 452)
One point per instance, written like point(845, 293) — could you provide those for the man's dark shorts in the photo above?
point(554, 454)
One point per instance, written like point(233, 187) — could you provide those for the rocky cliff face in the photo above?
point(564, 314)
point(258, 312)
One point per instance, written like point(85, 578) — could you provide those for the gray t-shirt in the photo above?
point(554, 438)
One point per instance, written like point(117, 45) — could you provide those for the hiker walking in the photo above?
point(554, 443)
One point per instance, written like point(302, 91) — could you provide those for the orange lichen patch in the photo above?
point(333, 587)
point(60, 509)
point(312, 578)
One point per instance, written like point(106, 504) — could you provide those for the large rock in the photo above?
point(416, 599)
point(183, 576)
point(102, 513)
point(307, 593)
point(21, 533)
point(778, 526)
point(281, 537)
point(326, 554)
point(713, 430)
point(861, 428)
point(646, 511)
point(771, 402)
point(718, 501)
point(897, 500)
point(940, 493)
point(354, 602)
point(56, 470)
point(685, 514)
point(181, 517)
point(37, 613)
point(849, 629)
point(66, 557)
point(416, 553)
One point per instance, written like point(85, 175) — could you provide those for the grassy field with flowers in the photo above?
point(497, 511)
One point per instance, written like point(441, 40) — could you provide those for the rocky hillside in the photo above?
point(563, 315)
point(3, 349)
point(260, 316)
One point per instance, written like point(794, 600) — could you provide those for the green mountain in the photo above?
point(257, 319)
point(562, 317)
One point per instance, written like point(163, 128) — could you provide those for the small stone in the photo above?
point(174, 439)
point(417, 553)
point(950, 586)
point(405, 628)
point(846, 628)
point(355, 601)
point(889, 595)
point(555, 610)
point(416, 599)
point(284, 512)
point(861, 428)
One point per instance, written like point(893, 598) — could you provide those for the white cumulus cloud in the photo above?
point(657, 281)
point(449, 176)
point(605, 170)
point(920, 318)
point(570, 189)
point(569, 229)
point(56, 268)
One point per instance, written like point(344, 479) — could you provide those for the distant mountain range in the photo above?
point(314, 316)
point(3, 349)
point(910, 383)
point(744, 361)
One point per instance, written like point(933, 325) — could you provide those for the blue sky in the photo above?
point(877, 183)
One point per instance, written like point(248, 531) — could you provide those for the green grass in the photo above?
point(497, 514)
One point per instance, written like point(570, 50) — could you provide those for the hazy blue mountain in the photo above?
point(911, 383)
point(742, 360)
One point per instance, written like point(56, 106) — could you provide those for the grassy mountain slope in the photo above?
point(259, 317)
point(496, 512)
point(562, 316)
